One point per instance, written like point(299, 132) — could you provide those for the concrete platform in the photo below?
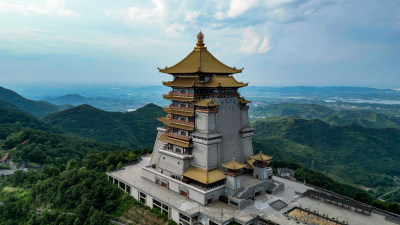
point(222, 213)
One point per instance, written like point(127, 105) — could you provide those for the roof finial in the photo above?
point(200, 40)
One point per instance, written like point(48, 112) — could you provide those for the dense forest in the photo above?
point(333, 117)
point(77, 192)
point(364, 156)
point(14, 121)
point(44, 147)
point(135, 129)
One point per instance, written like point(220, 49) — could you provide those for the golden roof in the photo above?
point(179, 98)
point(261, 157)
point(174, 141)
point(179, 112)
point(182, 81)
point(176, 124)
point(214, 82)
point(206, 103)
point(233, 165)
point(221, 81)
point(204, 176)
point(243, 100)
point(249, 163)
point(200, 60)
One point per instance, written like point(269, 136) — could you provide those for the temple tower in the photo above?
point(206, 130)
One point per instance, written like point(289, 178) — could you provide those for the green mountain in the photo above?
point(326, 114)
point(306, 111)
point(45, 147)
point(135, 129)
point(14, 121)
point(36, 108)
point(356, 154)
point(8, 106)
point(363, 118)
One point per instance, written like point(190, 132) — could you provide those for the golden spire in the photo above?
point(200, 40)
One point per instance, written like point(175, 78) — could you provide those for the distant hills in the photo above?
point(132, 129)
point(38, 109)
point(326, 114)
point(357, 154)
point(97, 102)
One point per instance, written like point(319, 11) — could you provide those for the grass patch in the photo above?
point(5, 166)
point(125, 203)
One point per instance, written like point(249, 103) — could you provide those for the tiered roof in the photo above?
point(261, 157)
point(174, 123)
point(179, 112)
point(174, 141)
point(204, 176)
point(233, 165)
point(214, 82)
point(200, 60)
point(243, 100)
point(206, 103)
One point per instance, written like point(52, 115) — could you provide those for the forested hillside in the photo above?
point(44, 147)
point(36, 108)
point(357, 154)
point(8, 106)
point(14, 121)
point(365, 118)
point(132, 129)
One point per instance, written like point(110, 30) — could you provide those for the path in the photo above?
point(380, 197)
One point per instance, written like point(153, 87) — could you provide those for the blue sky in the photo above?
point(278, 42)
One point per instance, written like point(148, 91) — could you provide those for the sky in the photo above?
point(278, 42)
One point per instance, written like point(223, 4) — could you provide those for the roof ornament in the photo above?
point(200, 40)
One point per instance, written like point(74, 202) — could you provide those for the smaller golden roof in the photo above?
point(206, 103)
point(243, 100)
point(249, 163)
point(179, 112)
point(179, 98)
point(173, 123)
point(233, 165)
point(261, 157)
point(221, 81)
point(182, 81)
point(174, 141)
point(204, 176)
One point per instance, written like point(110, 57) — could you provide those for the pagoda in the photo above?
point(206, 130)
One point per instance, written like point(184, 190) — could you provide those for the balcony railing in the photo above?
point(178, 136)
point(182, 121)
point(207, 110)
point(181, 108)
point(181, 94)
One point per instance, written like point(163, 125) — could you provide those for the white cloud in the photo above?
point(147, 15)
point(191, 15)
point(275, 3)
point(251, 42)
point(265, 47)
point(173, 30)
point(50, 7)
point(236, 8)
